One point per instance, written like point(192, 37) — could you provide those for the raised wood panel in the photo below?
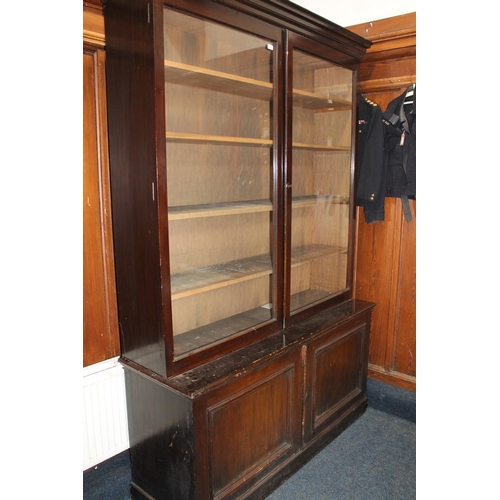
point(100, 323)
point(386, 275)
point(405, 349)
point(337, 374)
point(260, 421)
point(377, 248)
point(261, 413)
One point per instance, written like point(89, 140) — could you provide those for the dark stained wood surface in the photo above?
point(132, 152)
point(261, 412)
point(218, 371)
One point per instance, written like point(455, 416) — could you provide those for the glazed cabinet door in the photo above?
point(319, 176)
point(222, 164)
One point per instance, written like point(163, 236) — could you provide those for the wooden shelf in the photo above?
point(311, 100)
point(219, 209)
point(307, 297)
point(219, 330)
point(310, 201)
point(216, 139)
point(208, 334)
point(322, 147)
point(307, 253)
point(247, 207)
point(194, 76)
point(208, 278)
point(220, 275)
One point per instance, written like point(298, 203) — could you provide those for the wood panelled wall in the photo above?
point(100, 318)
point(386, 251)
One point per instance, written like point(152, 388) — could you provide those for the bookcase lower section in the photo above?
point(237, 427)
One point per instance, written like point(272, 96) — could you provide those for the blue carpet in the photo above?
point(109, 480)
point(374, 459)
point(393, 400)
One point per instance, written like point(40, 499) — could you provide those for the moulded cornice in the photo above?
point(302, 21)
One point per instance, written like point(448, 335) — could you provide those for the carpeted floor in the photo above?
point(374, 459)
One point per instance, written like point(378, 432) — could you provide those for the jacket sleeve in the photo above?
point(371, 165)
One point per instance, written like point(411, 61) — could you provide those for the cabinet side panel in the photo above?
point(132, 142)
point(161, 439)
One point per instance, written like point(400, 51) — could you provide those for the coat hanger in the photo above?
point(410, 91)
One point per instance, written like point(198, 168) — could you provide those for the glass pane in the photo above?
point(321, 163)
point(218, 88)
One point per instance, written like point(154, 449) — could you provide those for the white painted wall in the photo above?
point(351, 12)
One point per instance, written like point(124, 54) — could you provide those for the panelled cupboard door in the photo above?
point(250, 428)
point(336, 379)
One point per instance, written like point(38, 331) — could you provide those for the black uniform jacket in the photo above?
point(386, 161)
point(400, 121)
point(371, 164)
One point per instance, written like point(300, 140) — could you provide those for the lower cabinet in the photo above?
point(238, 426)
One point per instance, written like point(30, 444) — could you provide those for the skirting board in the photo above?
point(105, 432)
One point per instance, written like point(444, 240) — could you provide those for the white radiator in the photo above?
point(105, 431)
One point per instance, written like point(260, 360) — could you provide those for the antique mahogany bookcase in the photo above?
point(232, 147)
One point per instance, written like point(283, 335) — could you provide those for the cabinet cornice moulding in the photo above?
point(297, 18)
